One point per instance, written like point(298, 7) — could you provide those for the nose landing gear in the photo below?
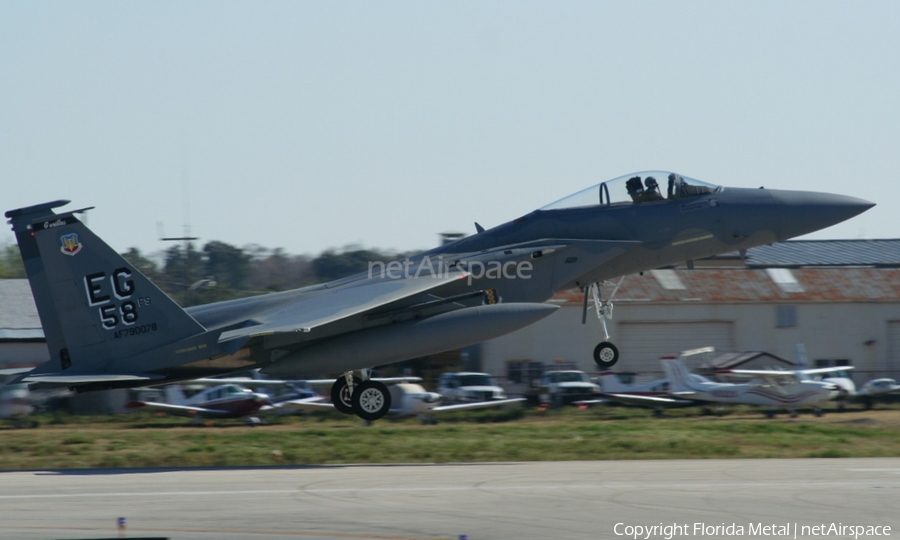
point(605, 353)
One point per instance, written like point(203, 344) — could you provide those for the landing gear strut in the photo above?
point(367, 399)
point(605, 353)
point(342, 392)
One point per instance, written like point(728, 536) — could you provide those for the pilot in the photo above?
point(652, 192)
point(683, 189)
point(674, 182)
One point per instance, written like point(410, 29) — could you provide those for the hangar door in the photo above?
point(641, 345)
point(893, 365)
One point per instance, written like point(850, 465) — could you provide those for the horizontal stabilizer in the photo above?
point(14, 371)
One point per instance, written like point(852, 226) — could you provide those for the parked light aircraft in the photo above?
point(840, 377)
point(874, 389)
point(16, 400)
point(654, 394)
point(847, 391)
point(877, 387)
point(108, 326)
point(221, 401)
point(410, 399)
point(16, 405)
point(773, 389)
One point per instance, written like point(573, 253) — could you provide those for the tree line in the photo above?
point(220, 271)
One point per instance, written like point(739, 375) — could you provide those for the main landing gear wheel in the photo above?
point(606, 355)
point(342, 395)
point(371, 400)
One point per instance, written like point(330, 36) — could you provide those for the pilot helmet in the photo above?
point(651, 182)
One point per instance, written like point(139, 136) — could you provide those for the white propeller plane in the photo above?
point(769, 388)
point(16, 405)
point(654, 394)
point(847, 389)
point(411, 399)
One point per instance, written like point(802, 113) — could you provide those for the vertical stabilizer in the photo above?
point(802, 362)
point(174, 395)
point(611, 384)
point(680, 379)
point(94, 306)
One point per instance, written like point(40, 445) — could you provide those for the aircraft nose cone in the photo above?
point(803, 212)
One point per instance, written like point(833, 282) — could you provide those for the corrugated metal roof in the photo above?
point(18, 314)
point(882, 252)
point(830, 284)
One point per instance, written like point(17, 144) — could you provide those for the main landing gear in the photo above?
point(367, 399)
point(605, 353)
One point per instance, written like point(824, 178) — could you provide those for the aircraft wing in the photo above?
point(649, 401)
point(825, 370)
point(591, 402)
point(762, 373)
point(306, 404)
point(476, 405)
point(299, 320)
point(246, 381)
point(306, 318)
point(179, 410)
point(316, 403)
point(783, 373)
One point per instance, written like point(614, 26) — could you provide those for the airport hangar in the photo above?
point(840, 298)
point(22, 342)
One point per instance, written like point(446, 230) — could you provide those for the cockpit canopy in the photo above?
point(642, 187)
point(225, 391)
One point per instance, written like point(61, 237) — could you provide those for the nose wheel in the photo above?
point(606, 355)
point(367, 399)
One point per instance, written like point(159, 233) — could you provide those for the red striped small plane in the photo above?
point(228, 400)
point(767, 388)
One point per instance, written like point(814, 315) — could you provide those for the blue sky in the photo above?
point(315, 125)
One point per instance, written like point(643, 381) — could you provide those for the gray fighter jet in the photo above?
point(108, 326)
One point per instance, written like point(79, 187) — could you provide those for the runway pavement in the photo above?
point(547, 500)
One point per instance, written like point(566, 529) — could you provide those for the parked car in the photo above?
point(467, 387)
point(563, 387)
